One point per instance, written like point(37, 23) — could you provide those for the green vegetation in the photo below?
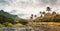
point(4, 18)
point(24, 22)
point(7, 24)
point(9, 20)
point(1, 25)
point(18, 24)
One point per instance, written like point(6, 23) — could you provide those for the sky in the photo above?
point(24, 8)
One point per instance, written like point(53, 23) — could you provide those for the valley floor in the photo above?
point(45, 26)
point(35, 26)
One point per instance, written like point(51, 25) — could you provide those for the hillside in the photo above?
point(7, 14)
point(48, 16)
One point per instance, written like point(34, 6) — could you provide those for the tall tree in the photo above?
point(41, 13)
point(31, 16)
point(48, 9)
point(53, 12)
point(35, 16)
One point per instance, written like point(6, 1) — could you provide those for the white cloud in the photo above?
point(24, 8)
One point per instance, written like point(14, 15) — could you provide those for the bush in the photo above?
point(1, 25)
point(10, 24)
point(24, 22)
point(7, 24)
point(18, 24)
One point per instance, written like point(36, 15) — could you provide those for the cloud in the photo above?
point(53, 2)
point(26, 7)
point(47, 2)
point(4, 2)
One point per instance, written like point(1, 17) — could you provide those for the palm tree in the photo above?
point(48, 9)
point(31, 16)
point(35, 16)
point(41, 13)
point(53, 12)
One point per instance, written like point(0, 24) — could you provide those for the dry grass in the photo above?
point(45, 26)
point(45, 23)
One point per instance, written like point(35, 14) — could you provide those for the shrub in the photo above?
point(1, 25)
point(8, 24)
point(24, 22)
point(18, 24)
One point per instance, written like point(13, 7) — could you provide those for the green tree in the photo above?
point(23, 21)
point(4, 18)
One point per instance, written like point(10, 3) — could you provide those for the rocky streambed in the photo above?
point(31, 28)
point(46, 28)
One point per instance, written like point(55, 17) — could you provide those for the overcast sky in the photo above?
point(24, 8)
